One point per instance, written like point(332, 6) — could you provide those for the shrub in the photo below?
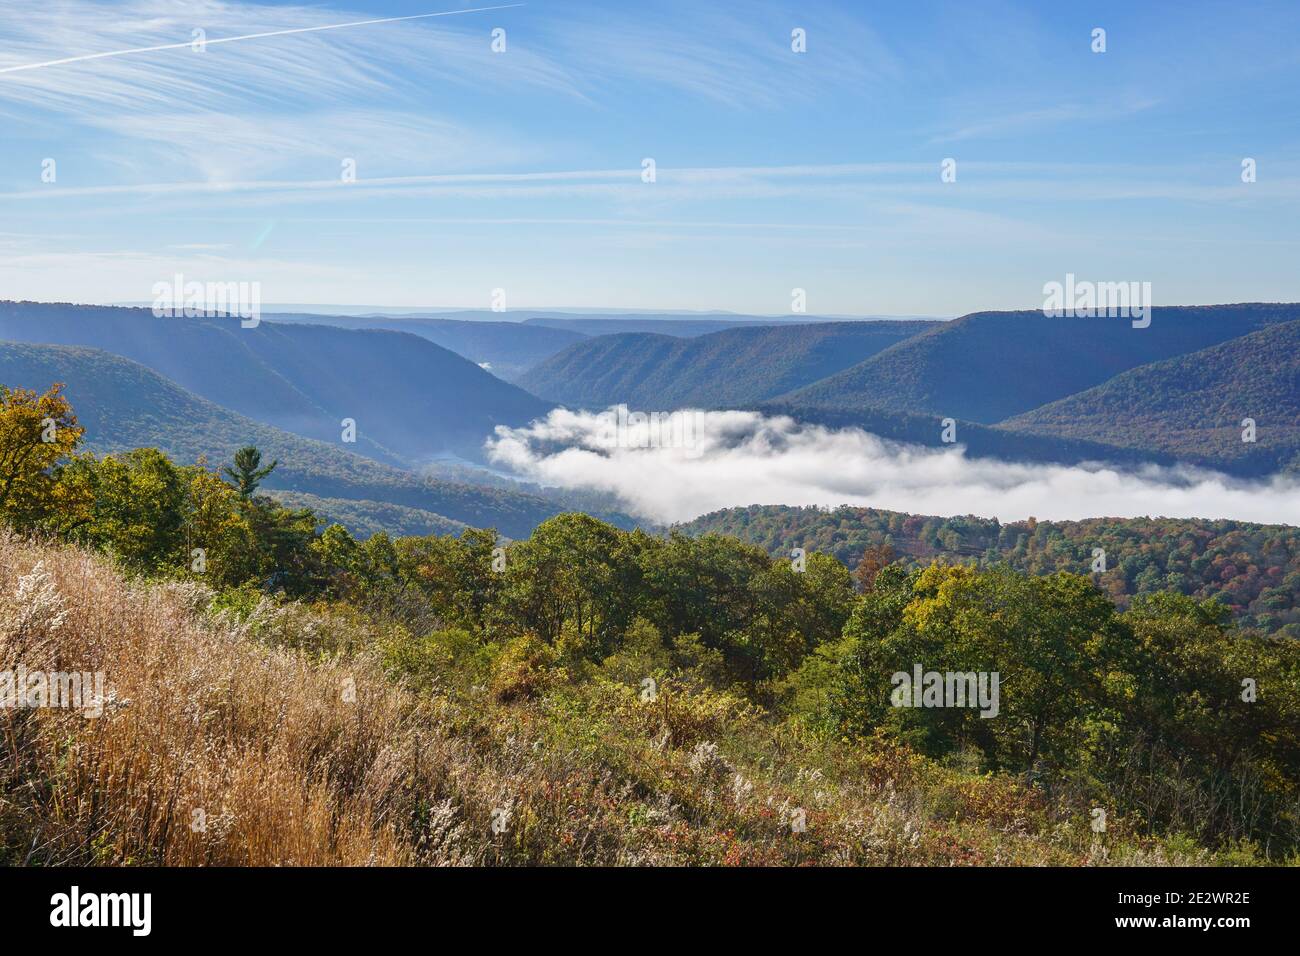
point(524, 668)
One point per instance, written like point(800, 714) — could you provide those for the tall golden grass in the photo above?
point(213, 750)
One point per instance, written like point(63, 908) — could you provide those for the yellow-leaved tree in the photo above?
point(37, 432)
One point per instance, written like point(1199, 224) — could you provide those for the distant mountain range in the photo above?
point(510, 348)
point(989, 366)
point(123, 405)
point(1195, 406)
point(411, 400)
point(682, 326)
point(1019, 386)
point(731, 368)
point(506, 349)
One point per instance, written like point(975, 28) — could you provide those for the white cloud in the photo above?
point(394, 59)
point(227, 149)
point(1072, 113)
point(736, 54)
point(744, 458)
point(200, 41)
point(260, 103)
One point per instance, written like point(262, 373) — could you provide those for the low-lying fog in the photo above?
point(722, 459)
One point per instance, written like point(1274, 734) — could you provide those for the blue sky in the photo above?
point(776, 170)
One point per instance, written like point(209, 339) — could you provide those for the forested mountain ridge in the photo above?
point(506, 349)
point(771, 731)
point(126, 405)
point(1195, 406)
point(414, 398)
point(731, 368)
point(364, 519)
point(680, 325)
point(996, 374)
point(989, 366)
point(979, 441)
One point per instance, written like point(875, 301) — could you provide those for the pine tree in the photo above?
point(247, 474)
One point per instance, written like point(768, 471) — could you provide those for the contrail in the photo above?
point(249, 36)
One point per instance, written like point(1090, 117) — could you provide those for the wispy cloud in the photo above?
point(1046, 117)
point(350, 133)
point(736, 54)
point(227, 149)
point(256, 104)
point(390, 58)
point(200, 41)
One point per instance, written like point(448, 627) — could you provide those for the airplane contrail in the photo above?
point(249, 36)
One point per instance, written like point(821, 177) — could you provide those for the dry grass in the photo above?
point(283, 768)
point(287, 768)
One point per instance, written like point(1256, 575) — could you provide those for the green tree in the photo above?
point(217, 529)
point(247, 473)
point(571, 572)
point(137, 507)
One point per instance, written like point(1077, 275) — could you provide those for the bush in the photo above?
point(524, 668)
point(452, 658)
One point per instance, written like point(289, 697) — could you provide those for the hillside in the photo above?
point(476, 746)
point(588, 694)
point(1192, 406)
point(506, 349)
point(414, 399)
point(979, 441)
point(989, 366)
point(365, 518)
point(680, 325)
point(734, 367)
point(1251, 568)
point(123, 405)
point(585, 323)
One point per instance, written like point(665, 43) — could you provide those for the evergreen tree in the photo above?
point(247, 473)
